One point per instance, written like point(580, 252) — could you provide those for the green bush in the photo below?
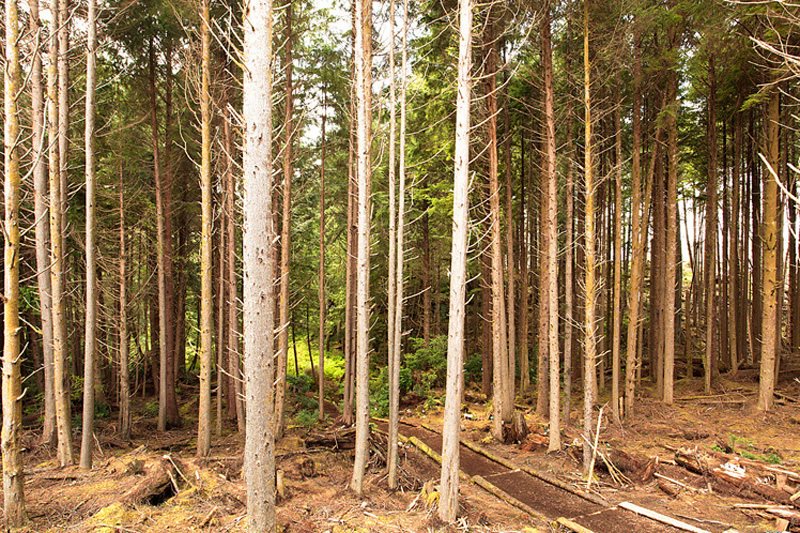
point(151, 409)
point(473, 368)
point(306, 417)
point(379, 393)
point(428, 364)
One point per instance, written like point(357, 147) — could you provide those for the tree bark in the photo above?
point(258, 259)
point(89, 364)
point(124, 379)
point(363, 67)
point(617, 311)
point(286, 233)
point(671, 229)
point(502, 397)
point(42, 229)
point(206, 290)
point(61, 392)
point(448, 499)
point(589, 325)
point(769, 326)
point(709, 262)
point(13, 475)
point(551, 226)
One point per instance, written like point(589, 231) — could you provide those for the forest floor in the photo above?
point(155, 483)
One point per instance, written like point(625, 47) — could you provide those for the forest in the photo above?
point(401, 265)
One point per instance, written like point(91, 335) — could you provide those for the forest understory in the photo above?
point(155, 482)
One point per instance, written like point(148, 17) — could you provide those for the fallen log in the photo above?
point(732, 475)
point(157, 485)
point(664, 519)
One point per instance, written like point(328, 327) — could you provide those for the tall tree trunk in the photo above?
point(589, 325)
point(42, 229)
point(569, 240)
point(258, 259)
point(502, 402)
point(61, 392)
point(709, 262)
point(551, 226)
point(616, 333)
point(124, 379)
point(671, 228)
point(734, 332)
point(286, 232)
point(769, 331)
point(511, 335)
point(363, 67)
point(524, 296)
point(13, 475)
point(167, 404)
point(89, 364)
point(393, 358)
point(206, 261)
point(638, 235)
point(394, 378)
point(323, 302)
point(448, 499)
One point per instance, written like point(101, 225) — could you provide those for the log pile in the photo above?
point(734, 475)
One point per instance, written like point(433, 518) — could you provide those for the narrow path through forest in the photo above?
point(550, 500)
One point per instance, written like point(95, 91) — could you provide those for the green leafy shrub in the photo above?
point(473, 368)
point(151, 409)
point(306, 417)
point(379, 393)
point(428, 364)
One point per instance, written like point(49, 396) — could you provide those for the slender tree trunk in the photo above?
point(61, 392)
point(589, 325)
point(258, 259)
point(124, 379)
point(524, 296)
point(569, 238)
point(769, 331)
point(394, 385)
point(206, 261)
point(166, 390)
point(222, 389)
point(363, 67)
point(89, 364)
point(511, 335)
point(671, 228)
point(42, 229)
point(616, 334)
point(323, 305)
point(286, 233)
point(709, 266)
point(637, 235)
point(502, 402)
point(551, 226)
point(391, 326)
point(448, 499)
point(13, 475)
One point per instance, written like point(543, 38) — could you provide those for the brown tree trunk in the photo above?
point(769, 323)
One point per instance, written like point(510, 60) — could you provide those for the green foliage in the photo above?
point(747, 449)
point(427, 363)
point(473, 368)
point(379, 393)
point(76, 388)
point(150, 409)
point(306, 417)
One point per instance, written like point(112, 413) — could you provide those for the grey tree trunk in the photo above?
point(448, 485)
point(90, 347)
point(363, 66)
point(13, 475)
point(42, 229)
point(258, 261)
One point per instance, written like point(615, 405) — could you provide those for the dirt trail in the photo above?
point(549, 500)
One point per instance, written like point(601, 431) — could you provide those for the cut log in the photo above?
point(733, 475)
point(155, 487)
point(664, 519)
